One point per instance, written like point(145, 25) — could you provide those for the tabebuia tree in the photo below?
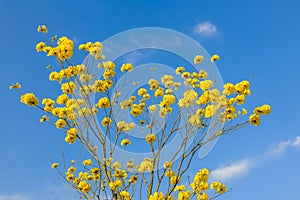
point(87, 110)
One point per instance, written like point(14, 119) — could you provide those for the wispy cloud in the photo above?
point(281, 147)
point(231, 171)
point(241, 168)
point(296, 142)
point(206, 29)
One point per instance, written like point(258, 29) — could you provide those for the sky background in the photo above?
point(252, 37)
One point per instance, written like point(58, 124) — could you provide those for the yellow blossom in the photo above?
point(150, 138)
point(263, 110)
point(60, 123)
point(106, 121)
point(40, 46)
point(15, 86)
point(142, 91)
point(87, 162)
point(103, 102)
point(210, 111)
point(68, 87)
point(206, 84)
point(179, 70)
point(254, 119)
point(126, 67)
point(54, 165)
point(29, 99)
point(198, 59)
point(44, 118)
point(42, 28)
point(215, 57)
point(125, 142)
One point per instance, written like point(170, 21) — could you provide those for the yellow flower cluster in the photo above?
point(15, 86)
point(95, 49)
point(123, 126)
point(63, 50)
point(125, 142)
point(71, 135)
point(106, 121)
point(218, 187)
point(68, 87)
point(125, 194)
point(29, 99)
point(146, 165)
point(126, 67)
point(259, 111)
point(42, 29)
point(150, 138)
point(87, 162)
point(104, 102)
point(115, 185)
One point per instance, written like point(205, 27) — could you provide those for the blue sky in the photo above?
point(253, 37)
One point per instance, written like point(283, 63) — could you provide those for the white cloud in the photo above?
point(238, 169)
point(281, 147)
point(14, 197)
point(296, 142)
point(206, 29)
point(231, 171)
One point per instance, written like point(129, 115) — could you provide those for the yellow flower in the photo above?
point(180, 188)
point(263, 110)
point(159, 92)
point(133, 179)
point(29, 99)
point(254, 119)
point(244, 111)
point(125, 142)
point(142, 91)
point(185, 75)
point(198, 59)
point(214, 58)
point(54, 165)
point(242, 87)
point(136, 110)
point(125, 194)
point(106, 121)
point(42, 28)
point(44, 118)
point(152, 108)
point(167, 165)
point(126, 67)
point(40, 46)
point(60, 123)
point(174, 179)
point(68, 87)
point(103, 102)
point(210, 111)
point(228, 89)
point(70, 177)
point(169, 173)
point(84, 186)
point(62, 99)
point(15, 86)
point(205, 85)
point(157, 196)
point(202, 74)
point(87, 162)
point(179, 70)
point(202, 196)
point(203, 99)
point(184, 195)
point(150, 138)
